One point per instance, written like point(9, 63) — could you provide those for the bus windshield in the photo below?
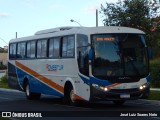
point(119, 55)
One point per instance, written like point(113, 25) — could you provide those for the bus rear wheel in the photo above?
point(31, 95)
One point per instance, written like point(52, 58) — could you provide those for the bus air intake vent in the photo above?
point(53, 30)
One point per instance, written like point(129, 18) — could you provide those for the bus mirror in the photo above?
point(91, 54)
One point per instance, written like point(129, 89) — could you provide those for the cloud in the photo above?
point(4, 14)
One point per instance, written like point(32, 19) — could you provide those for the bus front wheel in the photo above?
point(30, 95)
point(69, 96)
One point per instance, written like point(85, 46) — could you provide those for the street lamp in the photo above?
point(76, 22)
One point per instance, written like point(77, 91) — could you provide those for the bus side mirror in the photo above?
point(91, 54)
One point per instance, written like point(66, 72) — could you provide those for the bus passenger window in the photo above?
point(12, 51)
point(42, 48)
point(21, 50)
point(31, 49)
point(54, 45)
point(68, 46)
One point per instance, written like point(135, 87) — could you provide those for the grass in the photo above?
point(154, 95)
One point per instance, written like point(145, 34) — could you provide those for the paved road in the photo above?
point(15, 101)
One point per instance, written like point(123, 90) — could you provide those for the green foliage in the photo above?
point(155, 73)
point(154, 95)
point(132, 13)
point(4, 82)
point(3, 67)
point(2, 50)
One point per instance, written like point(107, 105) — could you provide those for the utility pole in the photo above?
point(96, 17)
point(16, 35)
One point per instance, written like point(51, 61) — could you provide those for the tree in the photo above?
point(141, 14)
point(2, 50)
point(131, 13)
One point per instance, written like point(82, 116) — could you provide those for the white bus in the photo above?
point(81, 63)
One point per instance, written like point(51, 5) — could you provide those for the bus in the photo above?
point(81, 64)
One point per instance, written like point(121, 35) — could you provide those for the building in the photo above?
point(3, 58)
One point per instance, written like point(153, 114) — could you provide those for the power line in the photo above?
point(4, 41)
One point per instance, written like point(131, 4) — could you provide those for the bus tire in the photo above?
point(118, 102)
point(69, 96)
point(31, 95)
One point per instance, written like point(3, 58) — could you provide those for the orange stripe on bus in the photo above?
point(78, 97)
point(40, 77)
point(113, 85)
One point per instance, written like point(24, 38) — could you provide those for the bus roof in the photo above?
point(62, 31)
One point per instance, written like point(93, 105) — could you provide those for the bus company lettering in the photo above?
point(54, 68)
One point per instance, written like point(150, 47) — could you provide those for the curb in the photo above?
point(155, 89)
point(9, 90)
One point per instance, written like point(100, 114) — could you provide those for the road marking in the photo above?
point(4, 98)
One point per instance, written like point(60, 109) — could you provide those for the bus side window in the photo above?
point(82, 54)
point(68, 46)
point(21, 50)
point(54, 46)
point(12, 51)
point(31, 49)
point(42, 49)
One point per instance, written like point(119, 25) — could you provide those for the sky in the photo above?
point(28, 16)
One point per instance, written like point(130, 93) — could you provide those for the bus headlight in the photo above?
point(143, 86)
point(105, 89)
point(100, 87)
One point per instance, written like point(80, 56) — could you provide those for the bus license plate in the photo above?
point(125, 96)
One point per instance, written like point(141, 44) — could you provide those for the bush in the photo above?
point(4, 79)
point(3, 67)
point(155, 73)
point(3, 82)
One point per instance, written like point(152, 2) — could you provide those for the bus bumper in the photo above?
point(120, 94)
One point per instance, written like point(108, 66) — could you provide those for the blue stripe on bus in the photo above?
point(93, 80)
point(35, 85)
point(100, 81)
point(148, 78)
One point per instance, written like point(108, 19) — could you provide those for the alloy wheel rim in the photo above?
point(72, 96)
point(27, 90)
